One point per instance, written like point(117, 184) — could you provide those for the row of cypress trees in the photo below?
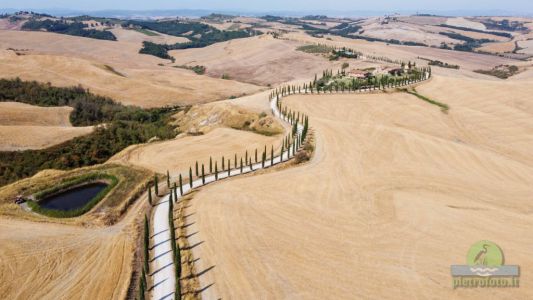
point(354, 86)
point(291, 143)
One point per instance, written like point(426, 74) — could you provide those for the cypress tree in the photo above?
point(141, 289)
point(216, 170)
point(235, 161)
point(272, 156)
point(246, 156)
point(223, 166)
point(256, 155)
point(281, 154)
point(197, 173)
point(175, 193)
point(146, 244)
point(203, 174)
point(190, 177)
point(210, 165)
point(168, 179)
point(181, 186)
point(143, 279)
point(156, 185)
point(241, 165)
point(264, 158)
point(150, 195)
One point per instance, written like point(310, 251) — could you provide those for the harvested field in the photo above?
point(396, 193)
point(67, 60)
point(16, 138)
point(462, 22)
point(466, 60)
point(84, 260)
point(17, 114)
point(145, 87)
point(69, 262)
point(259, 60)
point(180, 154)
point(24, 127)
point(133, 36)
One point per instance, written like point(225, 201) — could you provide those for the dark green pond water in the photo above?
point(74, 198)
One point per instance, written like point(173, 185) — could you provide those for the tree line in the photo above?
point(125, 126)
point(69, 28)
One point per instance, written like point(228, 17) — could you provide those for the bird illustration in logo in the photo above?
point(481, 257)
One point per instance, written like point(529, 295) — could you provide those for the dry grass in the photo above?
point(380, 209)
point(180, 154)
point(24, 126)
point(67, 61)
point(53, 261)
point(189, 279)
point(204, 118)
point(16, 138)
point(16, 114)
point(133, 36)
point(259, 60)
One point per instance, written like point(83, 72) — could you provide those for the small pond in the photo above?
point(74, 198)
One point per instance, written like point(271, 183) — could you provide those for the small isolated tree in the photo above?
point(150, 195)
point(156, 185)
point(181, 185)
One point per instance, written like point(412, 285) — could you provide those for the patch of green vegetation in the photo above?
point(147, 32)
point(469, 44)
point(226, 76)
point(200, 70)
point(69, 28)
point(443, 107)
point(124, 126)
point(159, 50)
point(502, 71)
point(505, 25)
point(85, 179)
point(200, 35)
point(316, 49)
point(496, 33)
point(439, 63)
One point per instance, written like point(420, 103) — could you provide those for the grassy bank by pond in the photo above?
point(131, 183)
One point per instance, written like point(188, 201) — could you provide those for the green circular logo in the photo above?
point(485, 253)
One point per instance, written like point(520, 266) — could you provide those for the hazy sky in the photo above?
point(524, 6)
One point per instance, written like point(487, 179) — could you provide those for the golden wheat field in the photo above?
point(396, 193)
